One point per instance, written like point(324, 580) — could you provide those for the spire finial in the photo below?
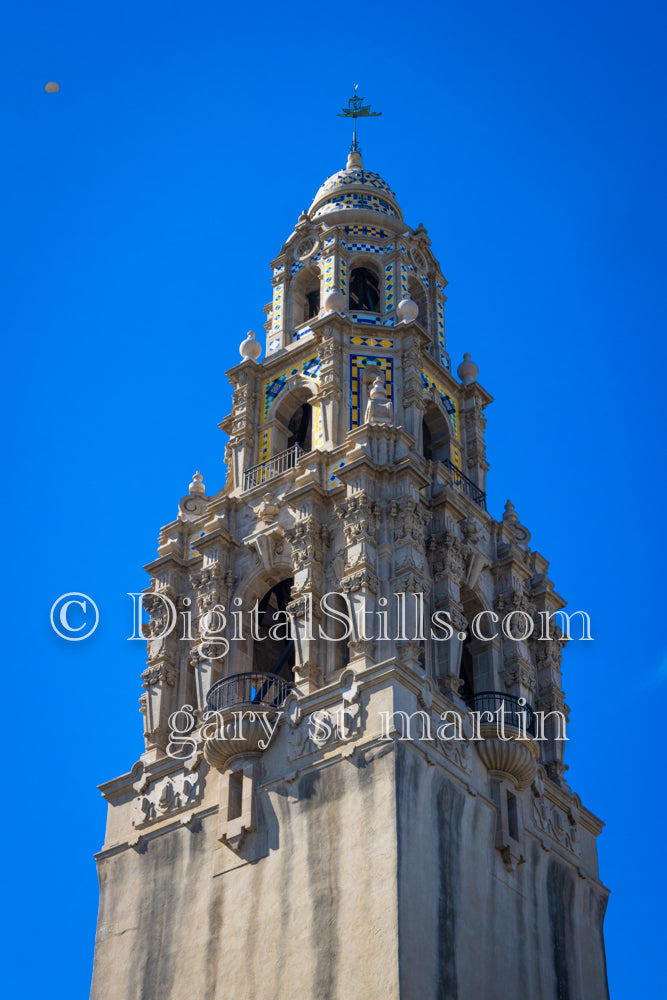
point(197, 487)
point(357, 109)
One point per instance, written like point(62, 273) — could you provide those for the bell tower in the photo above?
point(353, 780)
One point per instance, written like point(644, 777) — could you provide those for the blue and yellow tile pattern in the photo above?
point(332, 478)
point(356, 175)
point(278, 293)
point(192, 548)
point(404, 280)
point(357, 363)
point(264, 445)
point(450, 405)
point(368, 247)
point(441, 328)
point(370, 319)
point(357, 201)
point(371, 342)
point(329, 274)
point(310, 367)
point(380, 234)
point(389, 288)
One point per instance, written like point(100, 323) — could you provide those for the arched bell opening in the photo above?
point(435, 434)
point(417, 292)
point(364, 290)
point(293, 422)
point(476, 669)
point(300, 427)
point(305, 297)
point(467, 672)
point(273, 646)
point(260, 686)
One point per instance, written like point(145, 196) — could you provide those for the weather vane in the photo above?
point(356, 109)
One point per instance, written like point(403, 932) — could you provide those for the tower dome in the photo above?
point(356, 190)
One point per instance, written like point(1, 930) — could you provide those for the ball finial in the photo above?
point(407, 310)
point(467, 371)
point(250, 349)
point(334, 301)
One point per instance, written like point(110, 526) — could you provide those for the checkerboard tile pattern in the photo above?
point(356, 176)
point(358, 201)
point(368, 247)
point(380, 234)
point(369, 319)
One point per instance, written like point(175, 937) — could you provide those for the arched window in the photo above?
point(293, 421)
point(427, 442)
point(435, 435)
point(312, 304)
point(418, 295)
point(274, 654)
point(364, 290)
point(300, 427)
point(477, 655)
point(466, 671)
point(305, 296)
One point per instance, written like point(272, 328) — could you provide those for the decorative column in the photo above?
point(331, 394)
point(413, 389)
point(472, 401)
point(241, 424)
point(161, 674)
point(447, 553)
point(360, 581)
point(309, 539)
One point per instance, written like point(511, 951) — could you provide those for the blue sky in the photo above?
point(142, 205)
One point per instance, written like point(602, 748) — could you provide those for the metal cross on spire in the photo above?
point(356, 109)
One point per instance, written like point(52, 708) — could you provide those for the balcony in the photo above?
point(239, 709)
point(514, 715)
point(507, 752)
point(273, 467)
point(466, 485)
point(248, 691)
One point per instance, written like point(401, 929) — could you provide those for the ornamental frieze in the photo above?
point(166, 796)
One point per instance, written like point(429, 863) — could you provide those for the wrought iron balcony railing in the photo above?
point(261, 690)
point(466, 485)
point(275, 466)
point(514, 715)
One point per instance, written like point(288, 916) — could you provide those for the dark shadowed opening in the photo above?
point(364, 290)
point(274, 654)
point(300, 427)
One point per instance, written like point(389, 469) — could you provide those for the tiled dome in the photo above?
point(355, 189)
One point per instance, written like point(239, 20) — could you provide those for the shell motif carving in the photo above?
point(516, 758)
